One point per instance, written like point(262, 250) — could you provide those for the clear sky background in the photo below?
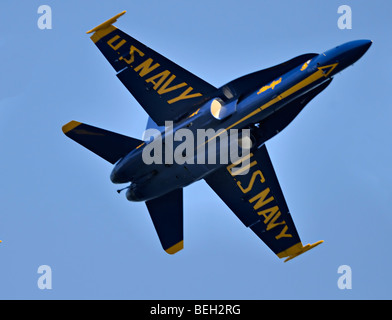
point(59, 208)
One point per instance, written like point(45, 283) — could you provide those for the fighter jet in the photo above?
point(263, 103)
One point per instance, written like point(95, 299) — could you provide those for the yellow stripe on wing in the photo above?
point(177, 247)
point(70, 126)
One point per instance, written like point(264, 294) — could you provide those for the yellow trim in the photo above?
point(305, 65)
point(270, 86)
point(297, 249)
point(70, 126)
point(290, 251)
point(140, 145)
point(195, 113)
point(177, 247)
point(107, 23)
point(101, 33)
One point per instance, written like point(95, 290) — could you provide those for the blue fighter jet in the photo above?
point(263, 102)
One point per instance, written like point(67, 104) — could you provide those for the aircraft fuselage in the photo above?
point(153, 180)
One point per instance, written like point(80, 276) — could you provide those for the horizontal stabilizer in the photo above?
point(167, 216)
point(108, 145)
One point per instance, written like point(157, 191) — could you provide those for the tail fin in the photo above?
point(167, 216)
point(151, 125)
point(108, 145)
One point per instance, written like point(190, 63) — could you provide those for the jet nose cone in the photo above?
point(345, 54)
point(360, 47)
point(352, 51)
point(365, 45)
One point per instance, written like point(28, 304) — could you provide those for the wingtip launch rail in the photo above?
point(107, 23)
point(297, 250)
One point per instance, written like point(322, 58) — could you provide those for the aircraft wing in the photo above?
point(165, 90)
point(257, 200)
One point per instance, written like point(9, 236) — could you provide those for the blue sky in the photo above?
point(59, 208)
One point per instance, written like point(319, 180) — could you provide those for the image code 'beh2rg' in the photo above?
point(263, 102)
